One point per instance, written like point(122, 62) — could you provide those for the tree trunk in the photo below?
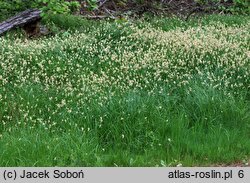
point(29, 20)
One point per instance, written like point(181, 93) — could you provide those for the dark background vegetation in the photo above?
point(117, 8)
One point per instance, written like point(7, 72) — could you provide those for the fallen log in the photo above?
point(28, 20)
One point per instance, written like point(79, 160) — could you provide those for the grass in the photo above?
point(142, 93)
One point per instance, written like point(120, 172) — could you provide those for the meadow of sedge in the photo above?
point(132, 93)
